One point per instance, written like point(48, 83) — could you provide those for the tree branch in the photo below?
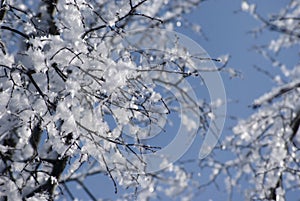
point(275, 93)
point(15, 31)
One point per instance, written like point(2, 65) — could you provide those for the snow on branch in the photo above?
point(275, 93)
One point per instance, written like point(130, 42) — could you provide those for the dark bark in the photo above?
point(2, 9)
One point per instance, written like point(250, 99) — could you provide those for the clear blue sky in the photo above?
point(226, 31)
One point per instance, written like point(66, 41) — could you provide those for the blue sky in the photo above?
point(226, 29)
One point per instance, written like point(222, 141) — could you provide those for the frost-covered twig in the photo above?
point(275, 93)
